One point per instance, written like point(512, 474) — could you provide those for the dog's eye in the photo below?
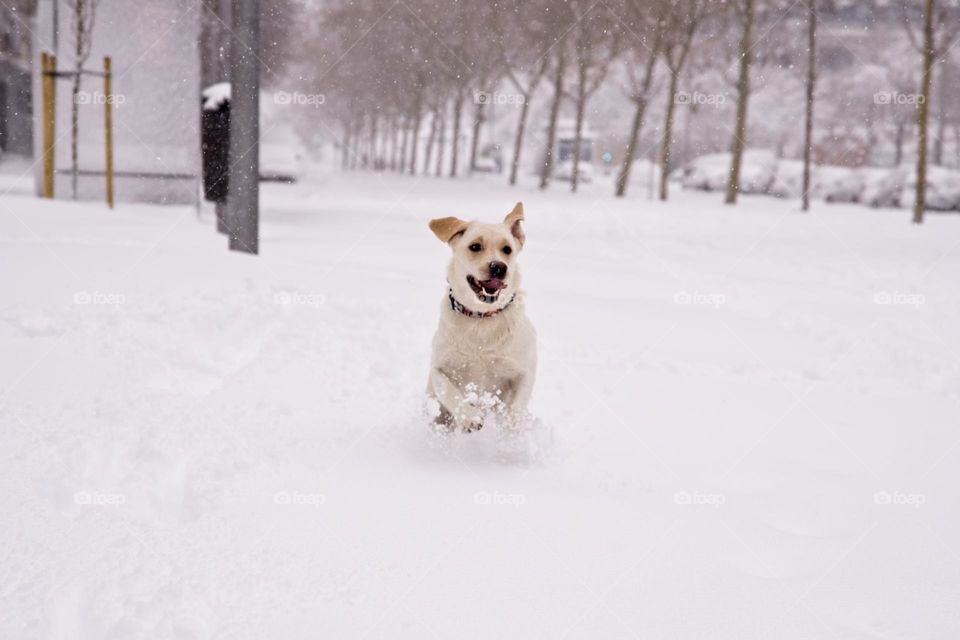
point(507, 250)
point(475, 247)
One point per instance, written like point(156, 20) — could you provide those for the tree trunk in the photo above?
point(430, 139)
point(394, 146)
point(743, 98)
point(415, 142)
point(475, 142)
point(941, 113)
point(811, 85)
point(518, 140)
point(374, 136)
point(402, 165)
point(441, 143)
point(355, 132)
point(898, 144)
point(667, 138)
point(920, 203)
point(624, 177)
point(345, 149)
point(75, 131)
point(578, 127)
point(457, 114)
point(547, 168)
point(635, 128)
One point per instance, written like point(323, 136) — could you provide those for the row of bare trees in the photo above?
point(394, 73)
point(415, 63)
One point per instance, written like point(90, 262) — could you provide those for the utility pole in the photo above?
point(811, 88)
point(244, 190)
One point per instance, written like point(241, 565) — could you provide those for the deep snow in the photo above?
point(753, 417)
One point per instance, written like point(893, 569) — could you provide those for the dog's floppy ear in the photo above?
point(513, 221)
point(448, 228)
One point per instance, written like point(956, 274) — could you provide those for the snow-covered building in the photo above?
point(156, 88)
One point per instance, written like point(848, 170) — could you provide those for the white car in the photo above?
point(564, 171)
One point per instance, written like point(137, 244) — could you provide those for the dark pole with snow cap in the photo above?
point(244, 188)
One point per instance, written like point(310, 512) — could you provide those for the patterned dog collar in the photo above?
point(459, 308)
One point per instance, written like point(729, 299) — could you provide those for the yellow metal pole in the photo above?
point(49, 111)
point(108, 121)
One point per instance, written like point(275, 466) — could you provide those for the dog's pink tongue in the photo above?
point(493, 283)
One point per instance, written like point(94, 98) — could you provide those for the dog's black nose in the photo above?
point(498, 269)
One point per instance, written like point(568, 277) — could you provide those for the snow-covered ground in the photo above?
point(751, 418)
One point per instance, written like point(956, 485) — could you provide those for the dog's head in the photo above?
point(484, 260)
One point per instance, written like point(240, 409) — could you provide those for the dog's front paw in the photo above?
point(473, 425)
point(469, 419)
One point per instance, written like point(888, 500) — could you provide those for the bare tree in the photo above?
point(596, 45)
point(417, 120)
point(943, 113)
point(83, 14)
point(559, 69)
point(457, 117)
point(640, 95)
point(431, 137)
point(523, 65)
point(455, 68)
point(938, 32)
point(679, 27)
point(745, 12)
point(441, 113)
point(484, 57)
point(558, 28)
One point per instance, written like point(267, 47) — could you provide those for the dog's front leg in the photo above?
point(466, 415)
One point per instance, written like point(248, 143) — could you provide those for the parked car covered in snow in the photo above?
point(943, 189)
point(883, 187)
point(839, 184)
point(871, 186)
point(706, 173)
point(712, 172)
point(788, 179)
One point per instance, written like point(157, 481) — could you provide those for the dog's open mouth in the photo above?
point(486, 290)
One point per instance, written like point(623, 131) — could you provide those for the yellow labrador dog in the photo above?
point(485, 349)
